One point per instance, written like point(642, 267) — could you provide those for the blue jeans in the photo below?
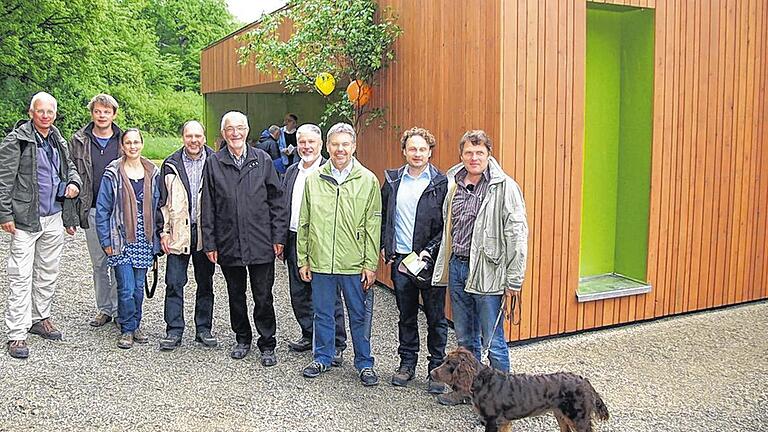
point(130, 296)
point(474, 316)
point(360, 312)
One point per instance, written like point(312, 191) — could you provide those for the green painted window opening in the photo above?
point(617, 152)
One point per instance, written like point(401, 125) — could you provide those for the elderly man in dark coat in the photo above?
point(244, 224)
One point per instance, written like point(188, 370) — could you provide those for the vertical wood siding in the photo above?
point(517, 70)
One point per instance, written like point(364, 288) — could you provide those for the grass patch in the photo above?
point(159, 148)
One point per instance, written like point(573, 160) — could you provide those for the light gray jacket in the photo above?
point(499, 239)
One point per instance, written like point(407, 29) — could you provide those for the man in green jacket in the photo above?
point(483, 250)
point(338, 247)
point(36, 175)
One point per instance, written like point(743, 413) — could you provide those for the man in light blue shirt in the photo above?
point(412, 220)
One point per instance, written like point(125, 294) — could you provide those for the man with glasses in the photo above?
point(36, 176)
point(93, 147)
point(178, 222)
point(338, 247)
point(244, 223)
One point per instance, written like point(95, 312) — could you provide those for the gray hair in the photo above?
point(43, 96)
point(274, 128)
point(309, 128)
point(234, 115)
point(103, 99)
point(189, 123)
point(342, 128)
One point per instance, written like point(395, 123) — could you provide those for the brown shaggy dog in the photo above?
point(500, 398)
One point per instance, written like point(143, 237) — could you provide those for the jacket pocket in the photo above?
point(492, 249)
point(21, 204)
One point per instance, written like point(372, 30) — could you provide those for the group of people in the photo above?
point(330, 221)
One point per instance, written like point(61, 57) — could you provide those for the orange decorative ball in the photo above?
point(359, 92)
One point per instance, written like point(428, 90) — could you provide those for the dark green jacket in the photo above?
point(19, 194)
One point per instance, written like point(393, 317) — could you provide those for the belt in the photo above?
point(461, 258)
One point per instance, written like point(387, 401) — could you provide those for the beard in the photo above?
point(309, 158)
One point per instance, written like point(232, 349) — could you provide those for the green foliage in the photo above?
point(350, 39)
point(143, 52)
point(160, 147)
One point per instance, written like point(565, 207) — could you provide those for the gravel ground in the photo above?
point(707, 371)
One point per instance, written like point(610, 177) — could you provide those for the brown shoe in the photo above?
point(125, 341)
point(139, 337)
point(18, 349)
point(454, 398)
point(100, 319)
point(45, 330)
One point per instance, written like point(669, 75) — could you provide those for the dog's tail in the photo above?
point(600, 409)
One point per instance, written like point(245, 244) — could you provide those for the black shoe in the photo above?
point(301, 345)
point(268, 358)
point(170, 342)
point(314, 369)
point(453, 398)
point(338, 358)
point(207, 339)
point(368, 377)
point(240, 351)
point(403, 374)
point(435, 388)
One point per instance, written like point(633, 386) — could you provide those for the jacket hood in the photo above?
point(497, 174)
point(25, 130)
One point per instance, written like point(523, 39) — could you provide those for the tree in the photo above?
point(143, 52)
point(350, 39)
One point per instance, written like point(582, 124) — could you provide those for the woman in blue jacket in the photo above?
point(125, 210)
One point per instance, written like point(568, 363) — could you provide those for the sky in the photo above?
point(248, 11)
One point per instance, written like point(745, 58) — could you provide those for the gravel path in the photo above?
point(706, 372)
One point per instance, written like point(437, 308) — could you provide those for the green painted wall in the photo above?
point(617, 141)
point(634, 177)
point(262, 109)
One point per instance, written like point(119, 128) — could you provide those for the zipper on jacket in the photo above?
point(335, 217)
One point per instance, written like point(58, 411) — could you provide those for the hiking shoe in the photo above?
point(125, 341)
point(402, 376)
point(170, 342)
point(314, 369)
point(338, 358)
point(207, 339)
point(368, 377)
point(240, 351)
point(18, 349)
point(139, 337)
point(301, 345)
point(453, 398)
point(100, 319)
point(45, 330)
point(435, 388)
point(268, 358)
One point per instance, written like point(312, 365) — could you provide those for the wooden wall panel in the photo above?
point(517, 70)
point(707, 234)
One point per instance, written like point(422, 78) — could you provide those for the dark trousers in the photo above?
point(175, 281)
point(262, 277)
point(301, 298)
point(407, 296)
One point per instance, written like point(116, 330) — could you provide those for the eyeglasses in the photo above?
point(239, 129)
point(49, 113)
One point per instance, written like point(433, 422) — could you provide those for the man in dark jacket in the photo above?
point(412, 222)
point(244, 224)
point(179, 229)
point(36, 176)
point(309, 142)
point(268, 142)
point(93, 147)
